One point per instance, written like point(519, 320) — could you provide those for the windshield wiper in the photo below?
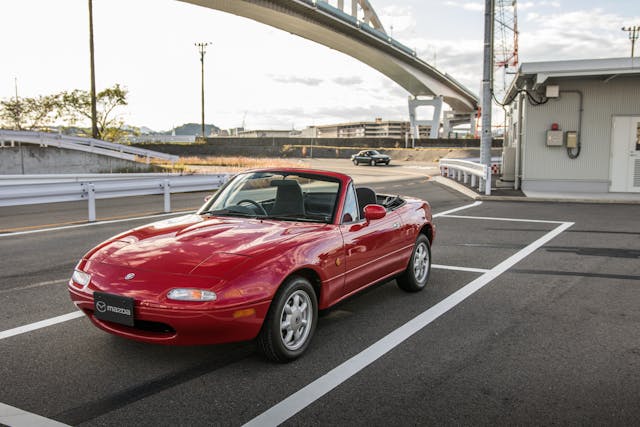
point(287, 218)
point(228, 212)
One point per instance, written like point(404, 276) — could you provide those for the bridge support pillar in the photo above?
point(436, 103)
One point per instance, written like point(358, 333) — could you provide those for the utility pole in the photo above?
point(486, 139)
point(634, 32)
point(202, 48)
point(94, 113)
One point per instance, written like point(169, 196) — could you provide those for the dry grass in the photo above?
point(228, 164)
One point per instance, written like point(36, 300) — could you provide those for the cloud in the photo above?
point(348, 81)
point(474, 6)
point(399, 21)
point(307, 81)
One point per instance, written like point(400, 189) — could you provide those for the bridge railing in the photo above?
point(465, 170)
point(91, 145)
point(13, 194)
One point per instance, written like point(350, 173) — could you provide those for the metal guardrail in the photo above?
point(91, 190)
point(89, 145)
point(83, 177)
point(462, 170)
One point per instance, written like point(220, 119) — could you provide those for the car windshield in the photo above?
point(276, 195)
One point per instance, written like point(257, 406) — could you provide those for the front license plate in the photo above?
point(113, 308)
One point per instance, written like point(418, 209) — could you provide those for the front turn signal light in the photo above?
point(188, 294)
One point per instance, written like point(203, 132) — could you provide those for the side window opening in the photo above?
point(350, 212)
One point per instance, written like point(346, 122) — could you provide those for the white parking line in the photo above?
point(33, 285)
point(461, 208)
point(89, 224)
point(15, 417)
point(456, 268)
point(490, 218)
point(41, 324)
point(299, 400)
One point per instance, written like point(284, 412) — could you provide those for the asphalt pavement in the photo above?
point(531, 316)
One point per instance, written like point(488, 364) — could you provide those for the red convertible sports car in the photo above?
point(258, 260)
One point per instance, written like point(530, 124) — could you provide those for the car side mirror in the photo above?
point(372, 212)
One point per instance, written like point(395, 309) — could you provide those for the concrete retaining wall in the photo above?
point(303, 147)
point(32, 159)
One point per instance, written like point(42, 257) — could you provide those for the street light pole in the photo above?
point(634, 32)
point(487, 78)
point(94, 113)
point(202, 48)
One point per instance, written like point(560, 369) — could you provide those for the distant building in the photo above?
point(375, 129)
point(267, 133)
point(574, 127)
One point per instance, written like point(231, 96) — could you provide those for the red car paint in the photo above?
point(244, 261)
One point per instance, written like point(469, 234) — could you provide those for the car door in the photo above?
point(371, 248)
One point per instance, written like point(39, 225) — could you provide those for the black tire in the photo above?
point(372, 163)
point(271, 341)
point(355, 162)
point(415, 278)
point(387, 162)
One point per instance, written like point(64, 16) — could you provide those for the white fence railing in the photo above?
point(17, 194)
point(463, 170)
point(90, 145)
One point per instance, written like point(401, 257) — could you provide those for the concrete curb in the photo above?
point(475, 196)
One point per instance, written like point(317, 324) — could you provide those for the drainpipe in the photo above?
point(516, 183)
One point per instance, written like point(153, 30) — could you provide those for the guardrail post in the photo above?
point(465, 177)
point(91, 192)
point(473, 180)
point(167, 195)
point(487, 188)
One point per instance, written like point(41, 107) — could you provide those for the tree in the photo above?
point(29, 113)
point(75, 106)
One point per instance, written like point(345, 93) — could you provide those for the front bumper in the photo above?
point(181, 326)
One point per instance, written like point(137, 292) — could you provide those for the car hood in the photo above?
point(193, 244)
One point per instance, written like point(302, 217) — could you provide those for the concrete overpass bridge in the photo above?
point(359, 33)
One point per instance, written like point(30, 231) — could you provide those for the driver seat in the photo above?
point(289, 199)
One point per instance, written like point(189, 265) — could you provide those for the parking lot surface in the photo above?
point(531, 316)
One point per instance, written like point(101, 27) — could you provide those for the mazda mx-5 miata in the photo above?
point(256, 261)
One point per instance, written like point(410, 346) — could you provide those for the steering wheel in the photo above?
point(254, 203)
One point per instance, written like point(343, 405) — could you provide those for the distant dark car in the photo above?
point(370, 157)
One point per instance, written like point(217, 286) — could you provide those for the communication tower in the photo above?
point(505, 46)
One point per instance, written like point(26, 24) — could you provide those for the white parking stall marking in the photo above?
point(90, 224)
point(490, 218)
point(39, 325)
point(33, 285)
point(461, 208)
point(456, 268)
point(15, 417)
point(304, 397)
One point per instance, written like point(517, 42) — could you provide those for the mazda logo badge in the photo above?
point(129, 276)
point(101, 306)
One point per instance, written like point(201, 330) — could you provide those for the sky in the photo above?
point(267, 78)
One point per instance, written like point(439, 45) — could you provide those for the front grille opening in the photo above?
point(156, 327)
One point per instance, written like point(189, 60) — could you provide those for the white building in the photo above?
point(574, 127)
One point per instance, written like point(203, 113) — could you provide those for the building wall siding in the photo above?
point(602, 100)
